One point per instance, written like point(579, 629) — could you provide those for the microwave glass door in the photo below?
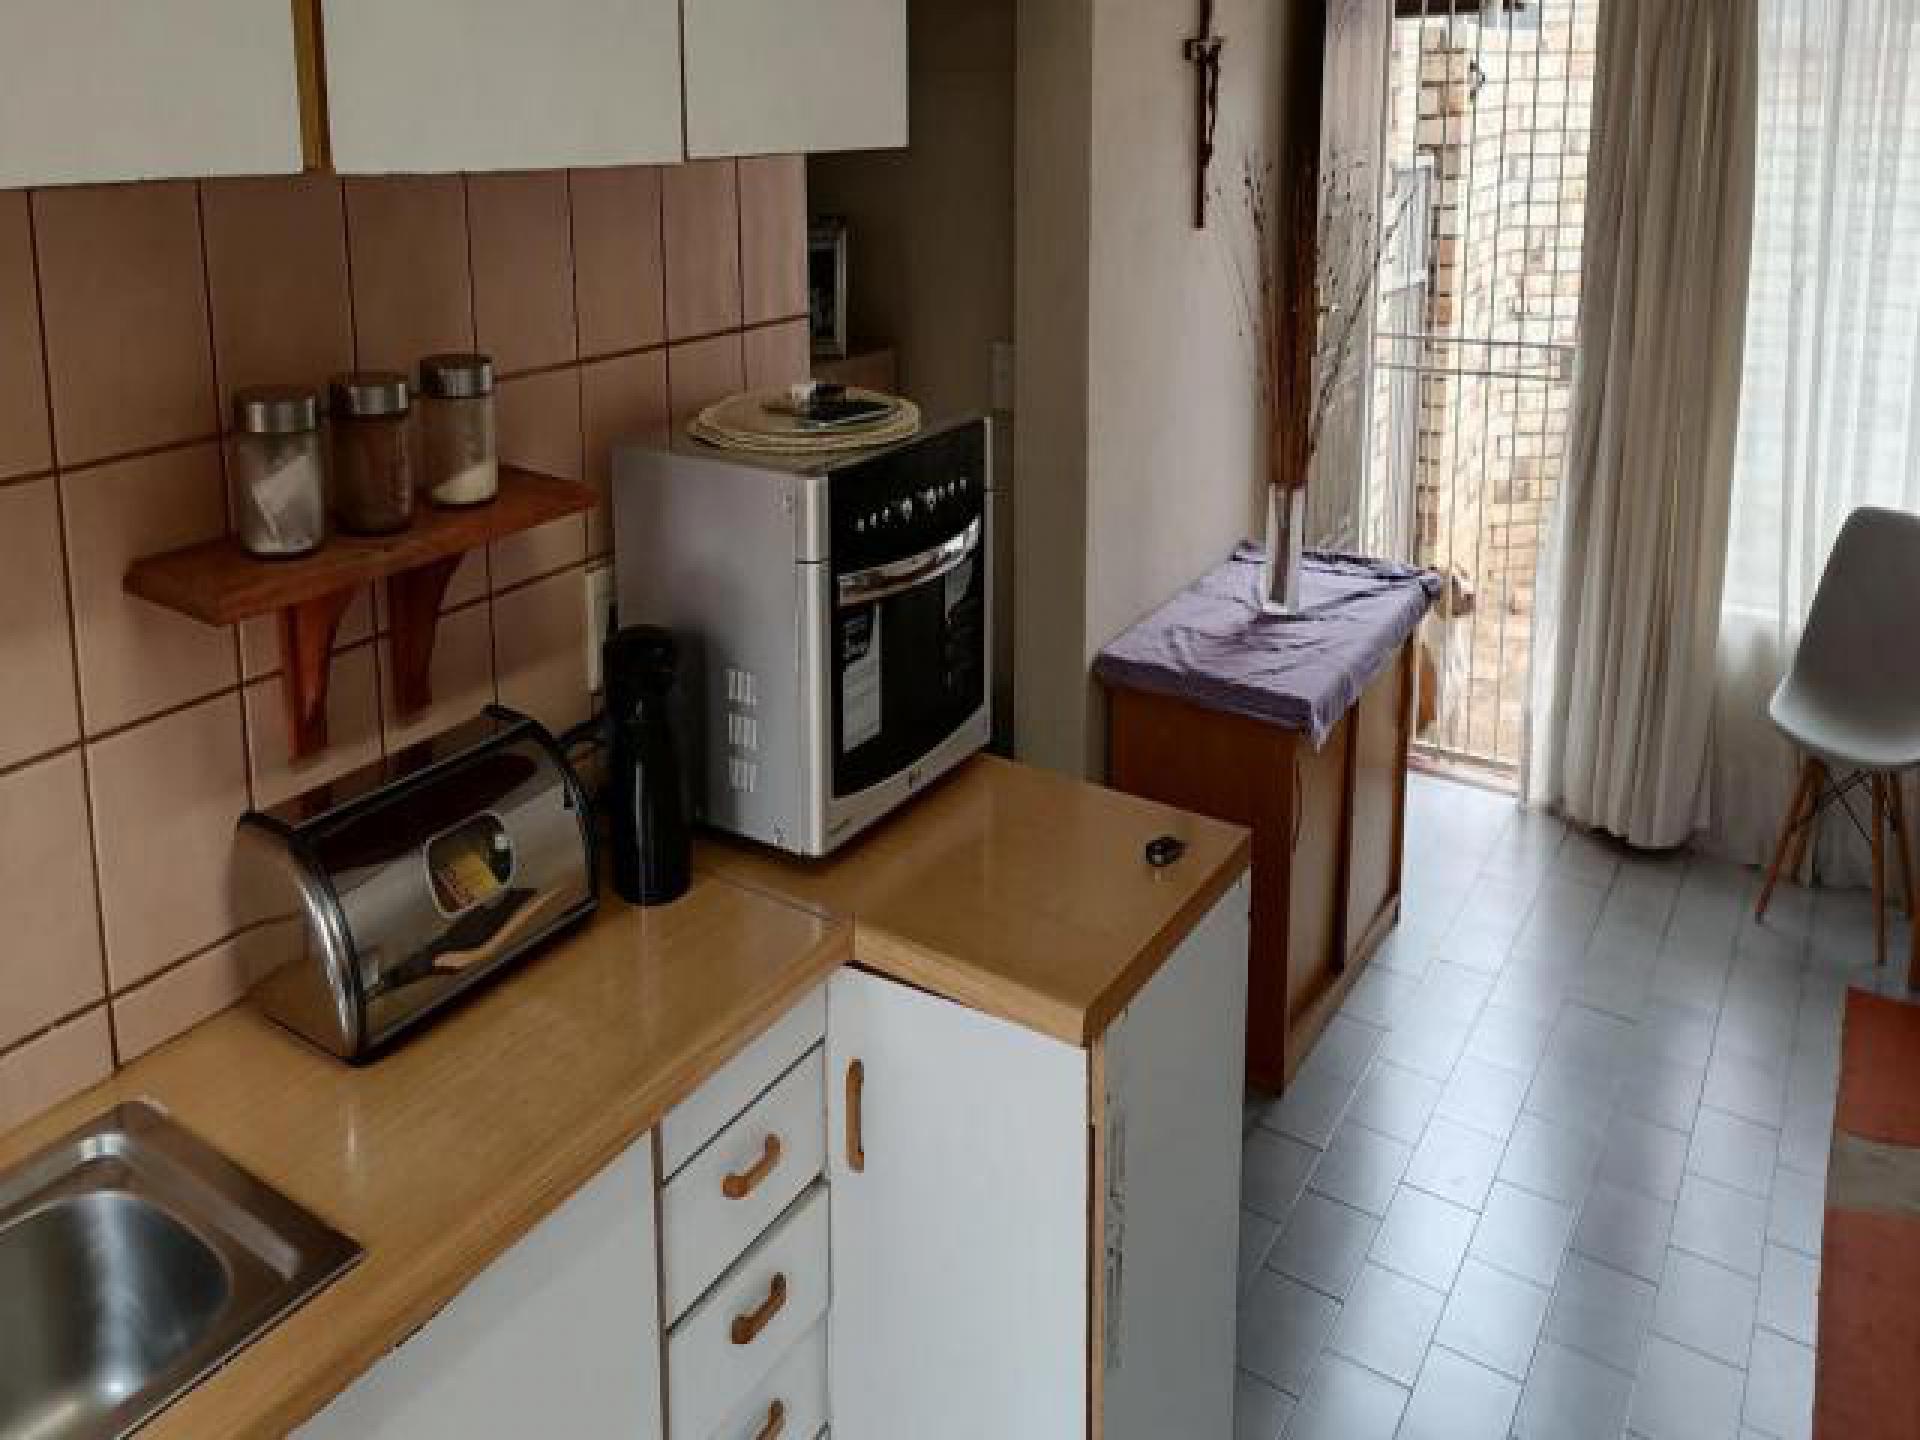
point(909, 657)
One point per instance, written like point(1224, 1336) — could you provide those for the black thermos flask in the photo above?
point(651, 859)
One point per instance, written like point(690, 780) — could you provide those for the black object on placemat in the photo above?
point(652, 863)
point(1163, 850)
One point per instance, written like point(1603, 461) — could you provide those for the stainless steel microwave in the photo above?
point(834, 618)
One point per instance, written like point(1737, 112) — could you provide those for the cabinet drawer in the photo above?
point(731, 1341)
point(732, 1190)
point(798, 1385)
point(735, 1085)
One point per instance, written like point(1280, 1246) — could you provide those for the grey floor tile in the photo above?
point(1570, 1396)
point(1644, 1156)
point(1395, 1101)
point(1807, 1136)
point(1790, 1293)
point(1683, 1395)
point(1361, 1167)
point(1283, 1324)
point(1719, 1223)
point(1424, 1238)
point(1387, 1323)
point(1454, 991)
point(1749, 1088)
point(1797, 1211)
point(1484, 1095)
point(1323, 1244)
point(1257, 1234)
point(1345, 1401)
point(1706, 1307)
point(1601, 1312)
point(1311, 1107)
point(1663, 1092)
point(1494, 1318)
point(1591, 1039)
point(1523, 1234)
point(1626, 1229)
point(1455, 1162)
point(1431, 1047)
point(1510, 1036)
point(1779, 1400)
point(1345, 1048)
point(1573, 1094)
point(1273, 1172)
point(1457, 1399)
point(1550, 1159)
point(1260, 1412)
point(1733, 1151)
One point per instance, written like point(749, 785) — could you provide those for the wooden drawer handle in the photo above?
point(738, 1187)
point(856, 1141)
point(747, 1328)
point(776, 1422)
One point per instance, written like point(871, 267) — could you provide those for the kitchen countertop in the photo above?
point(441, 1155)
point(1015, 891)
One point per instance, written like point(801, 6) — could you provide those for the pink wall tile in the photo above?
point(120, 263)
point(172, 787)
point(50, 959)
point(778, 354)
point(353, 730)
point(539, 418)
point(622, 399)
point(36, 644)
point(277, 279)
point(135, 657)
point(773, 237)
point(260, 638)
point(49, 1068)
point(522, 268)
point(701, 205)
point(412, 296)
point(461, 678)
point(25, 446)
point(540, 649)
point(620, 282)
point(703, 371)
point(155, 1012)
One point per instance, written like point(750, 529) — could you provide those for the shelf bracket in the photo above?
point(414, 598)
point(307, 632)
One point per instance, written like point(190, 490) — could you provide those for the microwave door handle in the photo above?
point(862, 587)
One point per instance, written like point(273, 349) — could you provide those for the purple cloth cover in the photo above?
point(1213, 645)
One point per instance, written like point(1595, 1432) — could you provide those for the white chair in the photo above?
point(1851, 702)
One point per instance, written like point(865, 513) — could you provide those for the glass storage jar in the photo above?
point(372, 452)
point(457, 429)
point(279, 471)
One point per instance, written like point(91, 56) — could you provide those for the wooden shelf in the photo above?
point(218, 583)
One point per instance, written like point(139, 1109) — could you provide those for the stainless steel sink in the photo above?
point(134, 1260)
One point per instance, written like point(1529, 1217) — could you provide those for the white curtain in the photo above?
point(1623, 657)
point(1831, 413)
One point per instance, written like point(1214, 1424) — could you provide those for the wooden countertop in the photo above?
point(441, 1155)
point(1015, 891)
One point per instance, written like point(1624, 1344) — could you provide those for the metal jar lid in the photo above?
point(456, 376)
point(275, 410)
point(365, 393)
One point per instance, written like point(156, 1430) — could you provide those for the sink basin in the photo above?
point(134, 1260)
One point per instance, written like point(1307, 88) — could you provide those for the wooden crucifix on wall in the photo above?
point(1203, 53)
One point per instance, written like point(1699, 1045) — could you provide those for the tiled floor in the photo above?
point(1557, 1168)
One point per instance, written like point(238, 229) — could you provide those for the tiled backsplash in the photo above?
point(131, 738)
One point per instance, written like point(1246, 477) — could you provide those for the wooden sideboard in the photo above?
point(1328, 833)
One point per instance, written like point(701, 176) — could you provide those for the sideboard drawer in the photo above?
point(733, 1189)
point(741, 1329)
point(797, 1385)
point(735, 1085)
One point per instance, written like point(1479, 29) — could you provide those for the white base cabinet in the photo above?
point(558, 1338)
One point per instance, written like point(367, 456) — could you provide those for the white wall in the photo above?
point(1141, 438)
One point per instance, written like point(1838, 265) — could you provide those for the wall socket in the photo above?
point(600, 620)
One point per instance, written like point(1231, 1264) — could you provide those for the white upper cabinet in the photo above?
point(440, 85)
point(774, 76)
point(103, 90)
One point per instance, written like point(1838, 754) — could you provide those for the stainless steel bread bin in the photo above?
point(391, 891)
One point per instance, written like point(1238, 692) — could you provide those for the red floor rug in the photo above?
point(1867, 1367)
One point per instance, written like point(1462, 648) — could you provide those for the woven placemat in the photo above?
point(743, 422)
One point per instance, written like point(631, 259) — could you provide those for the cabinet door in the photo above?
point(437, 85)
point(774, 76)
point(960, 1246)
point(102, 90)
point(1381, 730)
point(558, 1338)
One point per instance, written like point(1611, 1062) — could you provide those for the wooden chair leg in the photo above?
point(1898, 805)
point(1803, 795)
point(1803, 842)
point(1879, 786)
